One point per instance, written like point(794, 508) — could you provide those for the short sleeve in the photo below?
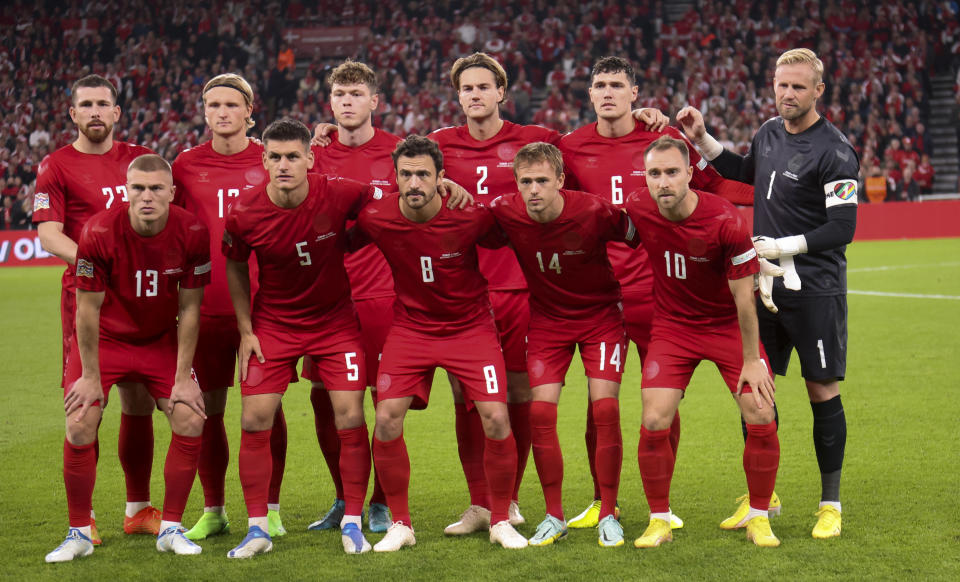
point(739, 255)
point(198, 265)
point(232, 246)
point(93, 264)
point(48, 200)
point(839, 171)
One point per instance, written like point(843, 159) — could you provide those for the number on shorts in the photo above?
point(490, 375)
point(353, 370)
point(614, 357)
point(823, 356)
point(482, 172)
point(426, 269)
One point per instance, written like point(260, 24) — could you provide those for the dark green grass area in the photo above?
point(901, 516)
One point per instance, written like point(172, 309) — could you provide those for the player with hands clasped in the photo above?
point(703, 264)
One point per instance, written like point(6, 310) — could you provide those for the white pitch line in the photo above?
point(907, 295)
point(895, 267)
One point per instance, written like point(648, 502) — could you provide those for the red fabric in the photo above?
point(656, 467)
point(547, 455)
point(179, 471)
point(590, 436)
point(323, 421)
point(470, 445)
point(761, 457)
point(255, 462)
point(520, 423)
point(135, 449)
point(500, 466)
point(278, 455)
point(609, 455)
point(214, 457)
point(393, 465)
point(354, 467)
point(79, 476)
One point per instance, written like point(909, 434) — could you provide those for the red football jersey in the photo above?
point(439, 286)
point(565, 261)
point(207, 184)
point(299, 250)
point(485, 169)
point(693, 259)
point(141, 275)
point(73, 186)
point(370, 163)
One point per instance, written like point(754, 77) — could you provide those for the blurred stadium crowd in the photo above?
point(718, 56)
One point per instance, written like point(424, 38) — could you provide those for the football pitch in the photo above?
point(899, 491)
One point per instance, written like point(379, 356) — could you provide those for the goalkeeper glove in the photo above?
point(763, 281)
point(774, 248)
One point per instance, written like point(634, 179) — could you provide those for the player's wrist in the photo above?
point(792, 245)
point(709, 147)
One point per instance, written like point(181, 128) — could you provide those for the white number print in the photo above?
point(679, 265)
point(482, 172)
point(353, 370)
point(108, 192)
point(823, 356)
point(614, 357)
point(616, 189)
point(230, 193)
point(304, 255)
point(490, 375)
point(553, 265)
point(147, 278)
point(426, 269)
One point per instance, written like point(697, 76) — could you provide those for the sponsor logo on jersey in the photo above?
point(84, 268)
point(202, 269)
point(743, 257)
point(41, 201)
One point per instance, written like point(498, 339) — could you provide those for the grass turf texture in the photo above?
point(901, 519)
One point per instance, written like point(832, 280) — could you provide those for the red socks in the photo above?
point(547, 455)
point(655, 458)
point(609, 455)
point(354, 467)
point(761, 457)
point(278, 453)
point(325, 425)
point(179, 469)
point(214, 456)
point(500, 466)
point(675, 434)
point(520, 424)
point(470, 441)
point(135, 449)
point(393, 465)
point(255, 462)
point(590, 437)
point(79, 476)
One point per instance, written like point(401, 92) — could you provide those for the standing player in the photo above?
point(804, 173)
point(209, 178)
point(442, 319)
point(560, 239)
point(74, 183)
point(703, 274)
point(295, 225)
point(607, 157)
point(360, 152)
point(141, 269)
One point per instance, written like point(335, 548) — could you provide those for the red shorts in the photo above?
point(68, 318)
point(551, 342)
point(472, 355)
point(675, 353)
point(153, 364)
point(215, 360)
point(375, 316)
point(511, 310)
point(638, 314)
point(336, 350)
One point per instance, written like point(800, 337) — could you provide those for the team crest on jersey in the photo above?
point(840, 192)
point(41, 201)
point(84, 268)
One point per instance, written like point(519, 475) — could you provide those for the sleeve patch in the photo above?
point(840, 192)
point(84, 268)
point(702, 164)
point(202, 269)
point(41, 201)
point(744, 257)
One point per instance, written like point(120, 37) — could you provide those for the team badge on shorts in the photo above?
point(84, 268)
point(840, 192)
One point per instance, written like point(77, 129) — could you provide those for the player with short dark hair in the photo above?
point(804, 173)
point(560, 239)
point(74, 183)
point(295, 224)
point(209, 178)
point(140, 272)
point(704, 310)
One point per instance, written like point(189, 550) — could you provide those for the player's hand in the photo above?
point(84, 392)
point(249, 344)
point(774, 248)
point(763, 281)
point(691, 122)
point(457, 196)
point(187, 391)
point(321, 134)
point(756, 374)
point(653, 118)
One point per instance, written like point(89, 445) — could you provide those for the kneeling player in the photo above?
point(703, 287)
point(141, 268)
point(442, 319)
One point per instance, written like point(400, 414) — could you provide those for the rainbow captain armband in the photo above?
point(840, 192)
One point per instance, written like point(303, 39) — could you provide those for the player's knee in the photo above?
point(185, 422)
point(389, 423)
point(657, 419)
point(822, 390)
point(496, 423)
point(754, 415)
point(81, 433)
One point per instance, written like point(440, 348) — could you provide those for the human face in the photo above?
point(479, 95)
point(226, 111)
point(150, 195)
point(95, 113)
point(612, 94)
point(352, 105)
point(539, 187)
point(287, 162)
point(668, 179)
point(796, 94)
point(417, 179)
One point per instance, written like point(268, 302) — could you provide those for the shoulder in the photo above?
point(105, 224)
point(131, 150)
point(533, 132)
point(386, 137)
point(576, 137)
point(445, 135)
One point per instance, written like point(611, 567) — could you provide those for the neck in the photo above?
point(550, 213)
point(618, 127)
point(85, 146)
point(684, 209)
point(483, 129)
point(803, 124)
point(288, 198)
point(151, 228)
point(424, 213)
point(229, 145)
point(355, 137)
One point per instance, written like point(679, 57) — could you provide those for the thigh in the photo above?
point(670, 364)
point(475, 359)
point(511, 310)
point(281, 350)
point(776, 340)
point(603, 348)
point(638, 316)
point(216, 357)
point(818, 329)
point(375, 316)
point(549, 352)
point(406, 369)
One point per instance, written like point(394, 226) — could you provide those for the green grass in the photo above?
point(901, 517)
